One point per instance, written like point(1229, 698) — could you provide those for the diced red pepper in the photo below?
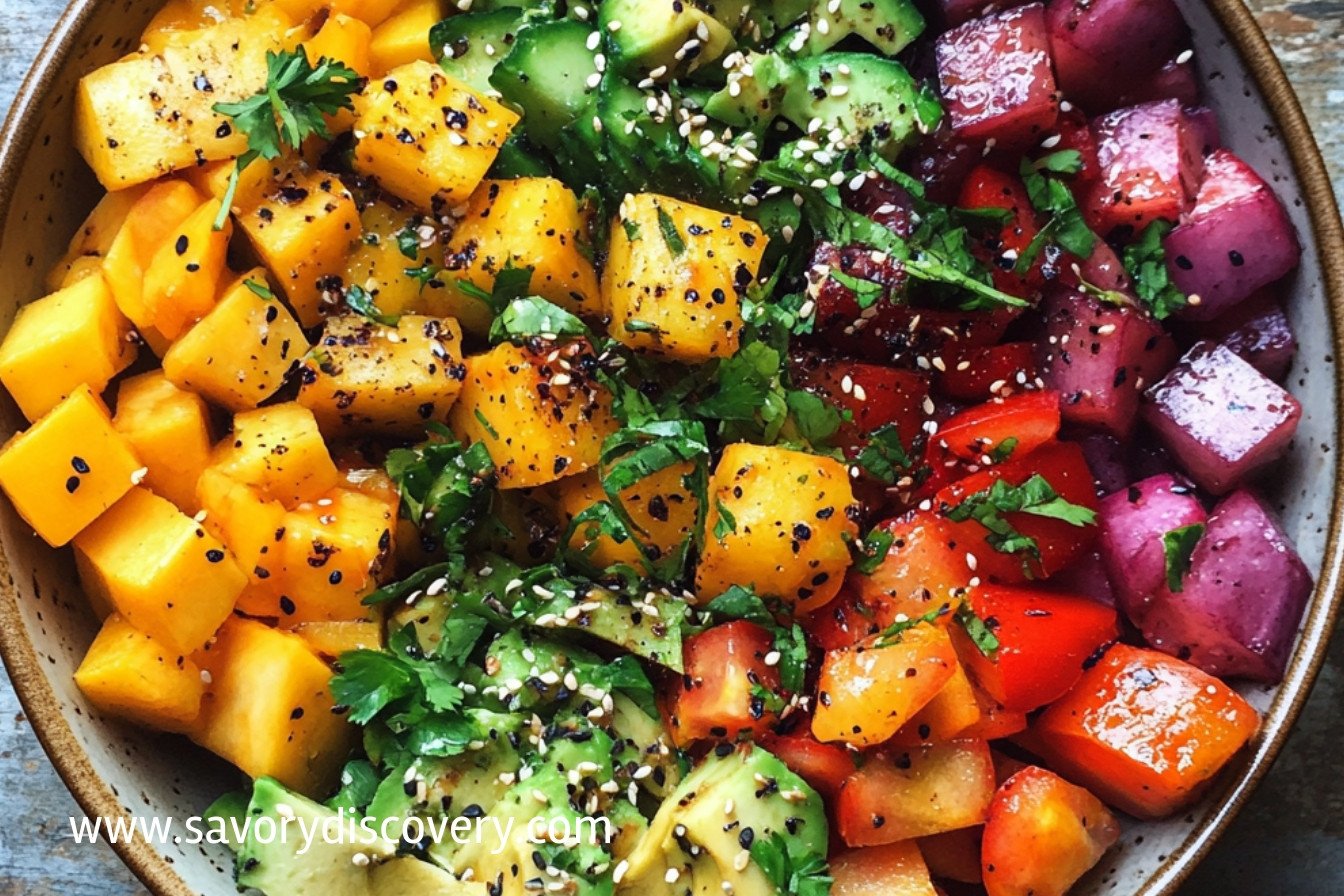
point(976, 374)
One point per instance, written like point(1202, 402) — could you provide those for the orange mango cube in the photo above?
point(170, 431)
point(128, 674)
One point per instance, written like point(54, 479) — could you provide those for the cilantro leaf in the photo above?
point(289, 109)
point(671, 236)
point(980, 632)
point(884, 457)
point(1035, 496)
point(408, 242)
point(1145, 261)
point(867, 293)
point(873, 550)
point(445, 488)
point(362, 303)
point(739, 602)
point(532, 316)
point(791, 875)
point(726, 524)
point(259, 289)
point(1051, 196)
point(1178, 546)
point(892, 633)
point(369, 681)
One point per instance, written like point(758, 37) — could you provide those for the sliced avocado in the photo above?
point(889, 25)
point(469, 46)
point(518, 158)
point(862, 96)
point(753, 93)
point(752, 23)
point(273, 864)
point(409, 875)
point(644, 742)
point(701, 833)
point(546, 74)
point(613, 618)
point(661, 38)
point(527, 672)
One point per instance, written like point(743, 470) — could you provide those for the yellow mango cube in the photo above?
point(95, 235)
point(169, 429)
point(247, 522)
point(531, 222)
point(159, 569)
point(660, 505)
point(366, 377)
point(240, 353)
point(377, 264)
point(67, 468)
point(405, 36)
point(333, 552)
point(371, 12)
point(778, 521)
point(268, 706)
point(74, 337)
point(128, 674)
point(539, 413)
point(279, 451)
point(151, 113)
point(339, 37)
point(183, 275)
point(331, 639)
point(426, 136)
point(177, 16)
point(675, 277)
point(151, 223)
point(301, 223)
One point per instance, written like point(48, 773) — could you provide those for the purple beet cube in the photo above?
point(1104, 48)
point(1221, 418)
point(1131, 524)
point(1259, 331)
point(996, 77)
point(1239, 605)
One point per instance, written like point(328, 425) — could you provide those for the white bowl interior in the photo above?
point(166, 776)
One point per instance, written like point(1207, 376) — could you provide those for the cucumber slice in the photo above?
point(546, 73)
point(469, 46)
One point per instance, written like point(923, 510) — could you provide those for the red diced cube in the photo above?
point(1103, 47)
point(996, 77)
point(1151, 163)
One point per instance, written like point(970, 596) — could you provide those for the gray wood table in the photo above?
point(1290, 839)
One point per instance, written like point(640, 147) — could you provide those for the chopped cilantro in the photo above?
point(1145, 261)
point(1035, 496)
point(361, 301)
point(1178, 546)
point(884, 457)
point(671, 236)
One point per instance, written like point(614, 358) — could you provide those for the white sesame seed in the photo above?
point(1185, 56)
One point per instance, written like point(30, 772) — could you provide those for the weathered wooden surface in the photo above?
point(1289, 840)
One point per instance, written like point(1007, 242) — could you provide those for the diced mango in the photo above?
point(151, 224)
point(82, 268)
point(71, 338)
point(301, 224)
point(160, 570)
point(95, 235)
point(183, 276)
point(366, 377)
point(660, 505)
point(278, 450)
point(239, 354)
point(540, 417)
point(531, 222)
point(675, 277)
point(339, 37)
point(268, 708)
point(177, 16)
point(779, 521)
point(331, 639)
point(152, 113)
point(170, 432)
point(127, 673)
point(405, 36)
point(250, 524)
point(426, 136)
point(333, 552)
point(371, 12)
point(67, 468)
point(378, 265)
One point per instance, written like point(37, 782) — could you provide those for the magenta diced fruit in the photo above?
point(1131, 524)
point(1259, 331)
point(1151, 164)
point(1236, 239)
point(1240, 603)
point(1174, 81)
point(1099, 356)
point(1102, 47)
point(996, 78)
point(1086, 576)
point(1221, 418)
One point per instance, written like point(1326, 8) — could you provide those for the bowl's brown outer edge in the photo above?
point(96, 798)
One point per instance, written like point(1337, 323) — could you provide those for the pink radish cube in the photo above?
point(996, 78)
point(1131, 524)
point(1151, 162)
point(1103, 47)
point(1236, 239)
point(1258, 330)
point(1222, 419)
point(1239, 605)
point(1099, 356)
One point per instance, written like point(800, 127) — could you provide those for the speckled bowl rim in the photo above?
point(97, 798)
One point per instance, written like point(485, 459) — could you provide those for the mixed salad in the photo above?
point(816, 439)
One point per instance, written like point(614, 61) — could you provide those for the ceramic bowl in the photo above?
point(112, 769)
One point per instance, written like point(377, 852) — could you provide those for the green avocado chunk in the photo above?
point(701, 839)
